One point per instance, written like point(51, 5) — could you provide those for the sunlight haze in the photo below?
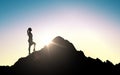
point(93, 26)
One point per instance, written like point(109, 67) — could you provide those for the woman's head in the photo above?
point(30, 29)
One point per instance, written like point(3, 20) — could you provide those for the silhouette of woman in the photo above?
point(30, 39)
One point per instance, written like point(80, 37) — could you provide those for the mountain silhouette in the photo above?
point(60, 58)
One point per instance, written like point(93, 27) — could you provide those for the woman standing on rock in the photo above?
point(30, 39)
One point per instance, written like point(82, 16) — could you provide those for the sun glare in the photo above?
point(47, 41)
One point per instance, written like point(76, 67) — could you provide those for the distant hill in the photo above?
point(60, 58)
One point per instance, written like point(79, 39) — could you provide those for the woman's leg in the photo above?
point(29, 48)
point(34, 46)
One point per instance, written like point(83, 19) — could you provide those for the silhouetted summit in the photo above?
point(63, 43)
point(58, 58)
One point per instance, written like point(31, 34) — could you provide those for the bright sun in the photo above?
point(47, 41)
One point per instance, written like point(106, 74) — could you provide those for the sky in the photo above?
point(93, 26)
